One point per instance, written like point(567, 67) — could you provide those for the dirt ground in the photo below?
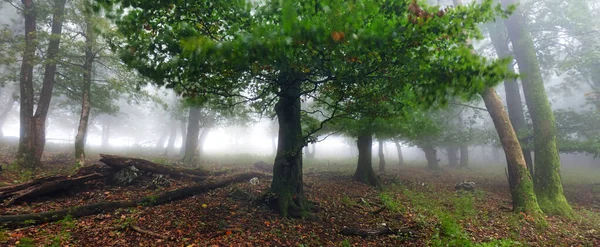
point(420, 206)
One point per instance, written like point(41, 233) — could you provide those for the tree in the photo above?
point(286, 50)
point(33, 126)
point(548, 185)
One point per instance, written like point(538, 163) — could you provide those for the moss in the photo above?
point(525, 200)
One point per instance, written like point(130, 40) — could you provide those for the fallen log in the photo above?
point(17, 187)
point(366, 232)
point(120, 162)
point(47, 188)
point(16, 221)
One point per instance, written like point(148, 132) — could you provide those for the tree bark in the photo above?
point(548, 184)
point(90, 56)
point(287, 182)
point(191, 140)
point(399, 152)
point(364, 170)
point(452, 156)
point(26, 155)
point(514, 104)
point(520, 182)
point(33, 126)
point(431, 156)
point(15, 221)
point(172, 137)
point(381, 157)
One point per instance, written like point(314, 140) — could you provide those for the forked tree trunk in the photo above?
point(33, 126)
point(172, 137)
point(548, 184)
point(431, 156)
point(287, 184)
point(381, 157)
point(452, 156)
point(399, 152)
point(82, 131)
point(191, 140)
point(364, 170)
point(514, 104)
point(520, 182)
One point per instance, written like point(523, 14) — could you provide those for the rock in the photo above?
point(159, 181)
point(466, 186)
point(263, 166)
point(125, 176)
point(254, 181)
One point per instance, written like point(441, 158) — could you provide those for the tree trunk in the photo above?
point(399, 152)
point(33, 127)
point(4, 115)
point(160, 144)
point(499, 39)
point(183, 126)
point(310, 154)
point(26, 156)
point(452, 156)
point(120, 162)
point(464, 156)
point(201, 141)
point(381, 157)
point(431, 156)
point(287, 182)
point(520, 182)
point(191, 140)
point(548, 185)
point(172, 137)
point(364, 170)
point(105, 132)
point(82, 131)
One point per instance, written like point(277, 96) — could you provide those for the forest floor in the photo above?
point(419, 203)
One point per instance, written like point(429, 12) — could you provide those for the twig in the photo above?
point(140, 230)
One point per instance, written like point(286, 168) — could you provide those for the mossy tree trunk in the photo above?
point(191, 139)
point(287, 184)
point(548, 184)
point(381, 157)
point(431, 156)
point(399, 152)
point(514, 104)
point(520, 181)
point(364, 170)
